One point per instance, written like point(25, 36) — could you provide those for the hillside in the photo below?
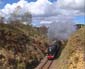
point(21, 46)
point(73, 55)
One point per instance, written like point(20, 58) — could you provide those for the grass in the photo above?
point(73, 54)
point(22, 45)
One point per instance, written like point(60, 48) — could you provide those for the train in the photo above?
point(52, 51)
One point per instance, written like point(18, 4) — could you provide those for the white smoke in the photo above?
point(61, 30)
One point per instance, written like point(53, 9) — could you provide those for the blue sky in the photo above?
point(78, 19)
point(4, 2)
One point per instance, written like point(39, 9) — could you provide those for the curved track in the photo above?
point(45, 64)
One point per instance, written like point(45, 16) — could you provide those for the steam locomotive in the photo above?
point(52, 51)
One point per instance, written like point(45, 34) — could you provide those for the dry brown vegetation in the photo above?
point(73, 55)
point(21, 46)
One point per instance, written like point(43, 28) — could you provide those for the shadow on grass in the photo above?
point(32, 65)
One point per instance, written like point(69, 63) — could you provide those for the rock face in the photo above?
point(21, 46)
point(73, 55)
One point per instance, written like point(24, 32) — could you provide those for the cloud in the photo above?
point(47, 8)
point(56, 14)
point(74, 5)
point(71, 4)
point(45, 23)
point(10, 8)
point(44, 10)
point(61, 9)
point(40, 6)
point(38, 9)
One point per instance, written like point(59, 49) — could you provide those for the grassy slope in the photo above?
point(21, 43)
point(72, 56)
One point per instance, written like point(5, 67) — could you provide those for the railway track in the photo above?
point(45, 64)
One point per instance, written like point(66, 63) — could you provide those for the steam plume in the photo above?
point(61, 30)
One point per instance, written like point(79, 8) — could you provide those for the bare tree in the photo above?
point(1, 19)
point(16, 17)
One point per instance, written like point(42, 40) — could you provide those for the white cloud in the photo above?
point(75, 5)
point(45, 7)
point(36, 8)
point(41, 7)
point(45, 22)
point(44, 10)
point(10, 8)
point(60, 13)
